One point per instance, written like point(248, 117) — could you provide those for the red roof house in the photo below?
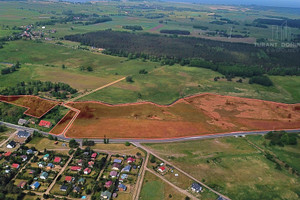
point(87, 171)
point(57, 159)
point(7, 154)
point(75, 168)
point(68, 178)
point(108, 184)
point(15, 165)
point(44, 123)
point(130, 160)
point(94, 155)
point(162, 169)
point(91, 163)
point(22, 184)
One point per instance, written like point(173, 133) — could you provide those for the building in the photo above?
point(29, 151)
point(116, 166)
point(63, 188)
point(45, 124)
point(162, 169)
point(108, 184)
point(22, 122)
point(35, 185)
point(81, 181)
point(75, 168)
point(44, 175)
point(126, 168)
point(23, 134)
point(196, 187)
point(91, 164)
point(22, 184)
point(130, 160)
point(118, 161)
point(46, 157)
point(57, 159)
point(123, 177)
point(24, 158)
point(113, 174)
point(41, 164)
point(69, 179)
point(12, 144)
point(106, 195)
point(87, 171)
point(7, 154)
point(50, 166)
point(76, 189)
point(15, 166)
point(94, 155)
point(122, 187)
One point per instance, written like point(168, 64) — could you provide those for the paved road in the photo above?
point(174, 186)
point(181, 139)
point(180, 170)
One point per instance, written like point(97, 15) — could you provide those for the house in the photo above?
point(113, 174)
point(69, 179)
point(7, 171)
point(35, 185)
point(122, 187)
point(29, 151)
point(76, 189)
point(94, 155)
point(41, 164)
point(45, 124)
point(46, 157)
point(63, 188)
point(196, 187)
point(57, 159)
point(23, 134)
point(81, 181)
point(50, 166)
point(130, 160)
point(22, 184)
point(118, 161)
point(123, 177)
point(108, 184)
point(75, 168)
point(0, 156)
point(44, 175)
point(15, 166)
point(32, 171)
point(22, 122)
point(11, 144)
point(79, 162)
point(86, 153)
point(116, 166)
point(106, 195)
point(24, 158)
point(91, 164)
point(7, 154)
point(87, 171)
point(221, 198)
point(126, 168)
point(162, 169)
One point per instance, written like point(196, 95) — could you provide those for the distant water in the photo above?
point(276, 3)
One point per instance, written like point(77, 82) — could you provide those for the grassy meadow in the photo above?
point(234, 167)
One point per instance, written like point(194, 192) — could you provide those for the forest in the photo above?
point(295, 23)
point(197, 51)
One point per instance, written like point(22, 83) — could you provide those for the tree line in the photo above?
point(8, 70)
point(58, 90)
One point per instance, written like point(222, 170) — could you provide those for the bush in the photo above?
point(127, 144)
point(261, 80)
point(129, 79)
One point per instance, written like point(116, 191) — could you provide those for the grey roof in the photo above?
point(12, 143)
point(23, 134)
point(117, 161)
point(196, 186)
point(64, 187)
point(106, 193)
point(22, 121)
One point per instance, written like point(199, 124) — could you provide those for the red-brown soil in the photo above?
point(197, 115)
point(62, 124)
point(36, 106)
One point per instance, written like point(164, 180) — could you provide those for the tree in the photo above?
point(73, 143)
point(152, 159)
point(63, 66)
point(127, 144)
point(89, 68)
point(129, 79)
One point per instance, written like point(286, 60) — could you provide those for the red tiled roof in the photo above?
point(162, 168)
point(75, 168)
point(108, 183)
point(87, 170)
point(68, 178)
point(7, 154)
point(15, 165)
point(94, 155)
point(45, 123)
point(57, 159)
point(130, 159)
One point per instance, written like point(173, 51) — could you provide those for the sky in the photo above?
point(277, 3)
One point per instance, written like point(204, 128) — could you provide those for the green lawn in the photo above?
point(233, 167)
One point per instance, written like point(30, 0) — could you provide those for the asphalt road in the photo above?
point(181, 139)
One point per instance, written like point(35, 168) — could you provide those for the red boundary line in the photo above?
point(28, 108)
point(58, 123)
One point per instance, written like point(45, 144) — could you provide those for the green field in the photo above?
point(155, 189)
point(234, 167)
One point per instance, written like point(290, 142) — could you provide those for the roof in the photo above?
point(124, 176)
point(36, 184)
point(68, 178)
point(81, 180)
point(23, 134)
point(22, 121)
point(117, 165)
point(113, 173)
point(50, 165)
point(77, 189)
point(75, 168)
point(64, 187)
point(15, 165)
point(29, 151)
point(162, 168)
point(221, 198)
point(22, 184)
point(117, 161)
point(57, 159)
point(44, 123)
point(108, 183)
point(126, 168)
point(91, 163)
point(130, 159)
point(106, 194)
point(94, 155)
point(12, 143)
point(44, 174)
point(46, 155)
point(122, 186)
point(87, 170)
point(196, 186)
point(7, 154)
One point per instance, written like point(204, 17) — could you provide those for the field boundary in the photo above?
point(28, 108)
